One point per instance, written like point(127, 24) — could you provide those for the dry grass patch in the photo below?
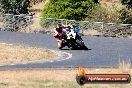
point(90, 32)
point(54, 79)
point(18, 54)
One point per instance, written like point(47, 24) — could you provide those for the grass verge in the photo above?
point(16, 54)
point(54, 78)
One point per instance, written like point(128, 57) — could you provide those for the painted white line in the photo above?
point(51, 61)
point(11, 64)
point(10, 44)
point(6, 65)
point(1, 65)
point(3, 43)
point(24, 63)
point(6, 43)
point(68, 56)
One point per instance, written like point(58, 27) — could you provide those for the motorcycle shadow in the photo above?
point(81, 48)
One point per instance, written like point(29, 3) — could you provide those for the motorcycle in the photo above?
point(73, 40)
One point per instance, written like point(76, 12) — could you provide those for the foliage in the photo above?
point(68, 9)
point(128, 3)
point(125, 16)
point(14, 6)
point(103, 14)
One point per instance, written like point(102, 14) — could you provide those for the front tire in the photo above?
point(80, 43)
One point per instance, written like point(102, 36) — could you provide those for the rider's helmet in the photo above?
point(59, 25)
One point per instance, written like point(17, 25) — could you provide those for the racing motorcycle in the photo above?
point(73, 40)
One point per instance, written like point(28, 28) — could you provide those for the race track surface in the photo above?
point(104, 51)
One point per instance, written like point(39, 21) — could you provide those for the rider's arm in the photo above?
point(55, 32)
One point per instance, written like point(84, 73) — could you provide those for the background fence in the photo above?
point(28, 23)
point(15, 23)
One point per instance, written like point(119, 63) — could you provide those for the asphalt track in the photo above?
point(103, 51)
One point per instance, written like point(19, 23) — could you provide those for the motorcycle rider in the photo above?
point(59, 32)
point(67, 29)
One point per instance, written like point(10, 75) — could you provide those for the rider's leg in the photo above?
point(59, 44)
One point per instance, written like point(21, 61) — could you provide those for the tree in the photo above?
point(14, 6)
point(128, 3)
point(68, 9)
point(125, 16)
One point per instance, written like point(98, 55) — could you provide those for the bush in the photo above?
point(110, 15)
point(125, 16)
point(68, 9)
point(103, 14)
point(15, 6)
point(128, 3)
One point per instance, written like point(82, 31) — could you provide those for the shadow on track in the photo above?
point(81, 48)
